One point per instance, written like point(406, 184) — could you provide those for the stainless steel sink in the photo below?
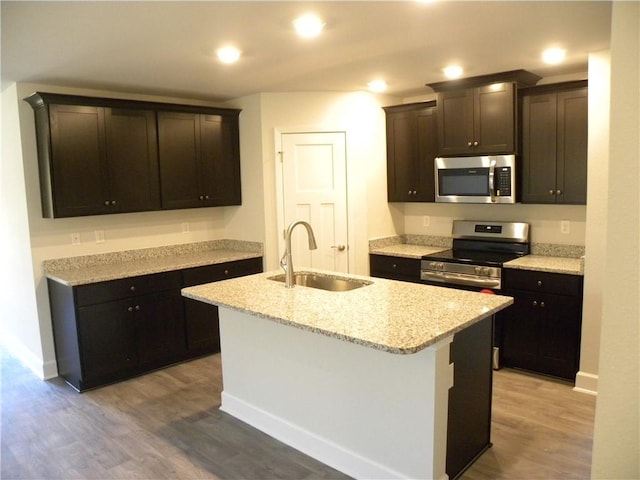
point(324, 282)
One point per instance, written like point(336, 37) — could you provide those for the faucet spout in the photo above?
point(286, 262)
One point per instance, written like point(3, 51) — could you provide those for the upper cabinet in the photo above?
point(554, 144)
point(477, 121)
point(200, 154)
point(99, 156)
point(411, 150)
point(477, 116)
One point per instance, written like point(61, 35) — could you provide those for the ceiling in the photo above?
point(167, 48)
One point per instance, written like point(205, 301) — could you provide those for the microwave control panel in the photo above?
point(503, 182)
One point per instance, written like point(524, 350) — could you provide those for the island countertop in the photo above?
point(396, 317)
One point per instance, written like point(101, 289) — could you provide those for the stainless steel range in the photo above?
point(480, 248)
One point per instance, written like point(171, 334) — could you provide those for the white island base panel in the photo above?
point(365, 412)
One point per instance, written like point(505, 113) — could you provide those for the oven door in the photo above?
point(460, 280)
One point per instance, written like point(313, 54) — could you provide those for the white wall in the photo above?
point(616, 443)
point(28, 239)
point(359, 115)
point(596, 227)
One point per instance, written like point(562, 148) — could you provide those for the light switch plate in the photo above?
point(75, 238)
point(426, 220)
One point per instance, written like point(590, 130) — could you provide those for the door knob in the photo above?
point(339, 247)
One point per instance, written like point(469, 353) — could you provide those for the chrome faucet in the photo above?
point(285, 262)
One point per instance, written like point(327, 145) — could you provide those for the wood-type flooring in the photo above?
point(167, 425)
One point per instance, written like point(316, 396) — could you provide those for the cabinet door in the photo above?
point(520, 332)
point(107, 342)
point(220, 161)
point(539, 140)
point(572, 147)
point(455, 122)
point(159, 323)
point(78, 160)
point(427, 151)
point(401, 146)
point(494, 118)
point(132, 154)
point(179, 155)
point(202, 327)
point(559, 324)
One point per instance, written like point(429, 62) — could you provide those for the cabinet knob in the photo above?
point(226, 272)
point(130, 309)
point(206, 197)
point(558, 192)
point(409, 192)
point(475, 144)
point(132, 288)
point(542, 304)
point(201, 197)
point(539, 283)
point(469, 144)
point(113, 202)
point(535, 303)
point(107, 202)
point(551, 192)
point(394, 266)
point(415, 191)
point(137, 308)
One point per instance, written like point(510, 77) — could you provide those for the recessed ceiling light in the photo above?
point(377, 86)
point(308, 25)
point(228, 54)
point(453, 71)
point(553, 55)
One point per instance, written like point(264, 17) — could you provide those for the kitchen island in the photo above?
point(358, 379)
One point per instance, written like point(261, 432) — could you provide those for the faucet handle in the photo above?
point(283, 261)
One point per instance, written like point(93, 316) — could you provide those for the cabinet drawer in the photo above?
point(557, 283)
point(221, 271)
point(127, 287)
point(395, 267)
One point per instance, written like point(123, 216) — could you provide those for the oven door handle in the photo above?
point(492, 171)
point(461, 280)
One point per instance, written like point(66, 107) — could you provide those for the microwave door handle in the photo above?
point(492, 168)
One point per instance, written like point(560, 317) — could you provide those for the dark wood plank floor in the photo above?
point(166, 425)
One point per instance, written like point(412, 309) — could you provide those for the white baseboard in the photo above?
point(308, 443)
point(44, 370)
point(586, 383)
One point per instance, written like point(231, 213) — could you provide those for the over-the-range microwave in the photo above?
point(485, 179)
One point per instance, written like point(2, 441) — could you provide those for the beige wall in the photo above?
point(616, 444)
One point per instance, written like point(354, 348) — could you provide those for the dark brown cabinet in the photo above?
point(199, 159)
point(477, 120)
point(99, 159)
point(202, 321)
point(99, 155)
point(411, 150)
point(109, 331)
point(395, 268)
point(541, 331)
point(554, 144)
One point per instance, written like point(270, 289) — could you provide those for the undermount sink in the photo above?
point(324, 282)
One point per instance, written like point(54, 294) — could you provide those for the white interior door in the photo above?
point(314, 189)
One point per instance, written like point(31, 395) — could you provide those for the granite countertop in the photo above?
point(83, 270)
point(396, 317)
point(406, 250)
point(542, 263)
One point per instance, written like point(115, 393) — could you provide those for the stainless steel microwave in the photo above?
point(486, 179)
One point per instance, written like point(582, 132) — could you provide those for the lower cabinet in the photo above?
point(202, 321)
point(108, 331)
point(395, 268)
point(541, 331)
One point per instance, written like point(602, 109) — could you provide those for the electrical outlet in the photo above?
point(99, 234)
point(185, 227)
point(426, 221)
point(75, 238)
point(565, 227)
